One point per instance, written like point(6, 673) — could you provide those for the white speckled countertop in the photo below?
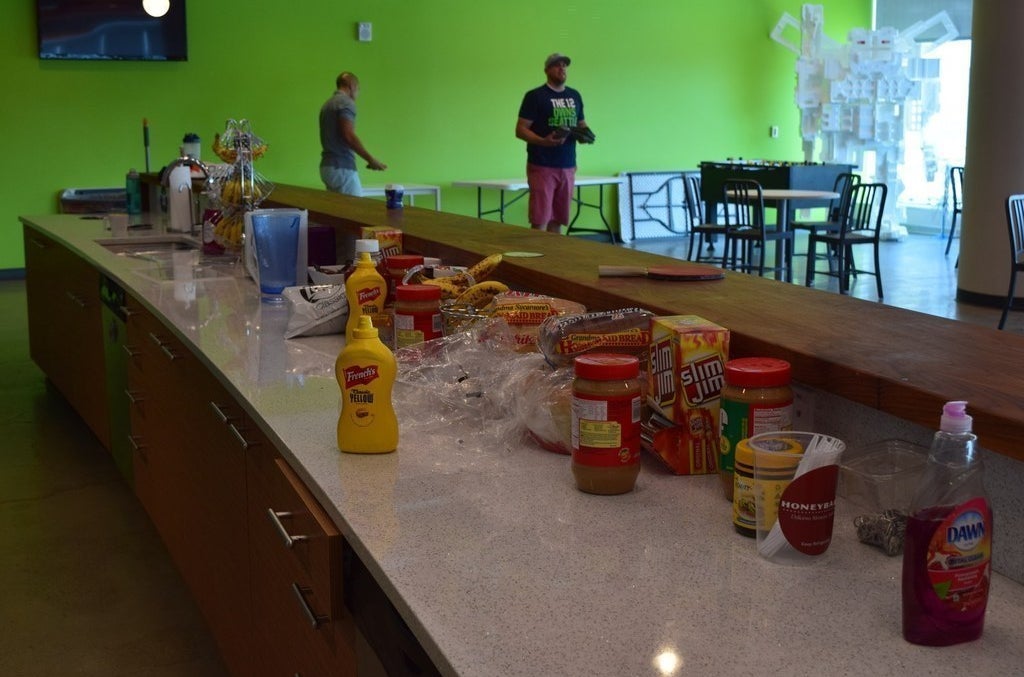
point(501, 567)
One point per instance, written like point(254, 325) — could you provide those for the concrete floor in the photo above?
point(87, 588)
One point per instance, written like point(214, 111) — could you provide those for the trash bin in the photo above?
point(92, 200)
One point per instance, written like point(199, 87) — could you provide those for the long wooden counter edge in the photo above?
point(901, 362)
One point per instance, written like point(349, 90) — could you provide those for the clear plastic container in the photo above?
point(883, 475)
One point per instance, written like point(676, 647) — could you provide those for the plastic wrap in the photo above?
point(474, 388)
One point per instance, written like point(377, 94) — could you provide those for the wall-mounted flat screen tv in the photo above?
point(110, 30)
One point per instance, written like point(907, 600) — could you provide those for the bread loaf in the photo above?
point(524, 313)
point(626, 331)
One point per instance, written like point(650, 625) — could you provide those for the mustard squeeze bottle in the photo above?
point(366, 290)
point(366, 370)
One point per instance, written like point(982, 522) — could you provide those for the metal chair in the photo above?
point(701, 233)
point(843, 185)
point(956, 191)
point(747, 235)
point(1015, 223)
point(861, 226)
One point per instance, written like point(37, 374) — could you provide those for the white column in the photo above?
point(994, 165)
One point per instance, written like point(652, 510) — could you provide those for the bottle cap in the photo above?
point(757, 372)
point(365, 328)
point(403, 261)
point(417, 292)
point(955, 418)
point(369, 245)
point(606, 366)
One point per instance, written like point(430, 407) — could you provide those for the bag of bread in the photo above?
point(627, 330)
point(543, 404)
point(525, 312)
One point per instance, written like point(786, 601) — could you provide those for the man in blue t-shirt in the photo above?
point(339, 142)
point(550, 118)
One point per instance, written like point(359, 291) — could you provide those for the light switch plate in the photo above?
point(365, 30)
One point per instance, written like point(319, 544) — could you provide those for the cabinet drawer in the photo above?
point(302, 529)
point(302, 624)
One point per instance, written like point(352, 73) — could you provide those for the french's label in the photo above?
point(360, 376)
point(368, 295)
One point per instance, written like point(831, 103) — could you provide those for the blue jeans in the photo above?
point(344, 181)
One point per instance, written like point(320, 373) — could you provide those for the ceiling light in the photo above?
point(156, 8)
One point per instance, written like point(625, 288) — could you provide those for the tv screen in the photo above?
point(110, 29)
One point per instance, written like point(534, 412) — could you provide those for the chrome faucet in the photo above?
point(165, 181)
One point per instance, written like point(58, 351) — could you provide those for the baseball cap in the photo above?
point(555, 58)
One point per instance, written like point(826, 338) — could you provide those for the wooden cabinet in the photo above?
point(260, 555)
point(224, 502)
point(190, 476)
point(219, 439)
point(65, 327)
point(156, 381)
point(301, 624)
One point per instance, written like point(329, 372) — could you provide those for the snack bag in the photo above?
point(316, 310)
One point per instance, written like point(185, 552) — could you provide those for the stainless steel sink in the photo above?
point(169, 257)
point(150, 246)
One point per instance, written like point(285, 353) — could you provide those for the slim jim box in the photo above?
point(685, 376)
point(390, 239)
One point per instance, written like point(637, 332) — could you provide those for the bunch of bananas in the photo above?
point(472, 286)
point(481, 294)
point(228, 153)
point(232, 192)
point(228, 229)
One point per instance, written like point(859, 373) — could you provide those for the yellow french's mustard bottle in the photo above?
point(366, 290)
point(366, 370)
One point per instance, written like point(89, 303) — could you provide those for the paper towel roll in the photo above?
point(179, 199)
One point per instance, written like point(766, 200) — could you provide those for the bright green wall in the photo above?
point(666, 84)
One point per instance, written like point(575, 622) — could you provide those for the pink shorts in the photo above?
point(550, 194)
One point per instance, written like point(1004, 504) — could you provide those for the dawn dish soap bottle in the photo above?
point(366, 290)
point(366, 370)
point(948, 549)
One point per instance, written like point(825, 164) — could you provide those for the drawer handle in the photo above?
point(135, 444)
point(134, 398)
point(314, 619)
point(129, 351)
point(75, 299)
point(39, 243)
point(221, 416)
point(126, 311)
point(275, 519)
point(241, 438)
point(156, 339)
point(166, 349)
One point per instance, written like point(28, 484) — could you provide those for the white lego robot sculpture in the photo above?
point(859, 98)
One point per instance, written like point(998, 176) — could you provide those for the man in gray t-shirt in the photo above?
point(339, 141)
